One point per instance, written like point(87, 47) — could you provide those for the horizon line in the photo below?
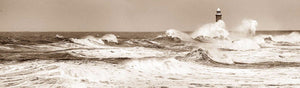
point(131, 31)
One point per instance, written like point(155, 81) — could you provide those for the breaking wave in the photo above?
point(95, 47)
point(211, 31)
point(293, 37)
point(110, 38)
point(174, 35)
point(5, 48)
point(178, 34)
point(204, 56)
point(160, 66)
point(89, 41)
point(94, 42)
point(241, 45)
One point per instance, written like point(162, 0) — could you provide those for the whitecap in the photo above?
point(110, 38)
point(178, 34)
point(211, 31)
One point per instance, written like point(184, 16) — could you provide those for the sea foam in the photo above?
point(178, 34)
point(174, 35)
point(241, 45)
point(211, 31)
point(293, 37)
point(110, 38)
point(89, 41)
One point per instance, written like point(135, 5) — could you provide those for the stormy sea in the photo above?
point(210, 56)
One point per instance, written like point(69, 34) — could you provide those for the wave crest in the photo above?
point(240, 45)
point(293, 37)
point(110, 38)
point(175, 35)
point(211, 31)
point(201, 55)
point(89, 41)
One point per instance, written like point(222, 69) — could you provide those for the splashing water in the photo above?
point(178, 34)
point(247, 28)
point(212, 30)
point(138, 63)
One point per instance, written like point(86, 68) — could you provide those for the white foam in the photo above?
point(212, 30)
point(242, 44)
point(89, 41)
point(118, 52)
point(178, 34)
point(160, 66)
point(218, 56)
point(59, 36)
point(5, 47)
point(110, 38)
point(293, 37)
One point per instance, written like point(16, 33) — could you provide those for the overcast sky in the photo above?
point(143, 15)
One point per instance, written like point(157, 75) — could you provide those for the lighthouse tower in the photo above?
point(218, 15)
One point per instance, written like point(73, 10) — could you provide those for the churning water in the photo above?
point(209, 57)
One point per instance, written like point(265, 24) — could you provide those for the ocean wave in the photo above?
point(117, 52)
point(6, 48)
point(211, 31)
point(240, 45)
point(110, 38)
point(144, 43)
point(173, 35)
point(258, 59)
point(165, 43)
point(178, 34)
point(201, 55)
point(160, 66)
point(94, 42)
point(89, 41)
point(264, 41)
point(293, 37)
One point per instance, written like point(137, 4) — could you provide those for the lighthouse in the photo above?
point(218, 15)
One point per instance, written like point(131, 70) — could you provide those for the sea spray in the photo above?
point(211, 31)
point(220, 41)
point(178, 34)
point(175, 35)
point(247, 28)
point(241, 37)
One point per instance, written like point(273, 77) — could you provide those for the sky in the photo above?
point(144, 15)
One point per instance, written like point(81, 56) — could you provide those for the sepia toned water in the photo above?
point(148, 59)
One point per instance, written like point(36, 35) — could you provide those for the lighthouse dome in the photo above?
point(218, 9)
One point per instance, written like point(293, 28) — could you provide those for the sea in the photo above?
point(148, 59)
